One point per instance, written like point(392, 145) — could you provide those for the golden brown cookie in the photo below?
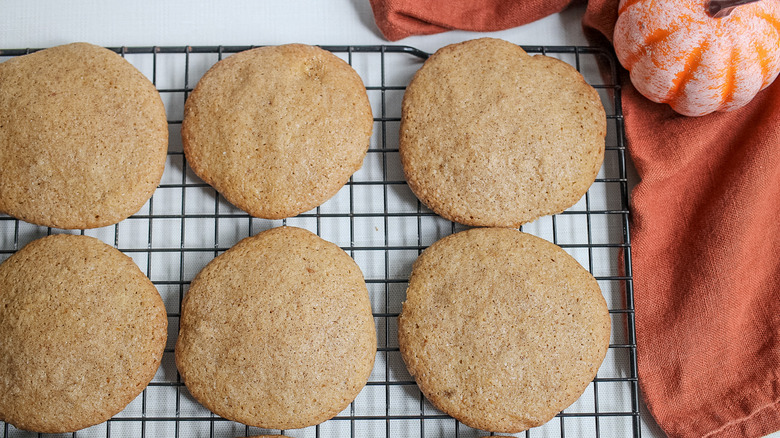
point(82, 332)
point(277, 130)
point(502, 329)
point(491, 136)
point(277, 332)
point(83, 137)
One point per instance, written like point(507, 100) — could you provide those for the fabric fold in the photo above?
point(706, 240)
point(705, 221)
point(399, 19)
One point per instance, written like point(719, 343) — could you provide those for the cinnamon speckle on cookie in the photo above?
point(502, 329)
point(277, 332)
point(82, 332)
point(491, 136)
point(83, 137)
point(277, 130)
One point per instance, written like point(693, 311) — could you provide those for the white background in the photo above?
point(36, 24)
point(144, 23)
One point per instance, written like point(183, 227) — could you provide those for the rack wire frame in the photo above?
point(605, 212)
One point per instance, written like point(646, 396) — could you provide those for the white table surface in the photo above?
point(145, 22)
point(46, 23)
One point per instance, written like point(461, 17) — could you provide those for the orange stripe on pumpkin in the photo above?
point(765, 55)
point(658, 36)
point(773, 21)
point(691, 63)
point(729, 81)
point(763, 61)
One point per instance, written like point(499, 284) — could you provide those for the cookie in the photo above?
point(82, 332)
point(277, 332)
point(491, 136)
point(83, 137)
point(277, 130)
point(501, 329)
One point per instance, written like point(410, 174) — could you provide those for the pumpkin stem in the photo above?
point(721, 8)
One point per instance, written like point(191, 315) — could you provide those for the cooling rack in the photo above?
point(380, 223)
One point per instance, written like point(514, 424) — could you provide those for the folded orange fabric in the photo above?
point(401, 18)
point(706, 259)
point(706, 247)
point(705, 232)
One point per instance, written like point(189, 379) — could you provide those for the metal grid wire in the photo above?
point(379, 222)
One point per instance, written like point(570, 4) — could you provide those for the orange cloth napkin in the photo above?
point(705, 227)
point(401, 18)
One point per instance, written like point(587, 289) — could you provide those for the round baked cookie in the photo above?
point(501, 329)
point(277, 130)
point(277, 332)
point(491, 136)
point(82, 332)
point(83, 137)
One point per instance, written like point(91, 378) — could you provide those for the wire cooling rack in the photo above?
point(380, 223)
